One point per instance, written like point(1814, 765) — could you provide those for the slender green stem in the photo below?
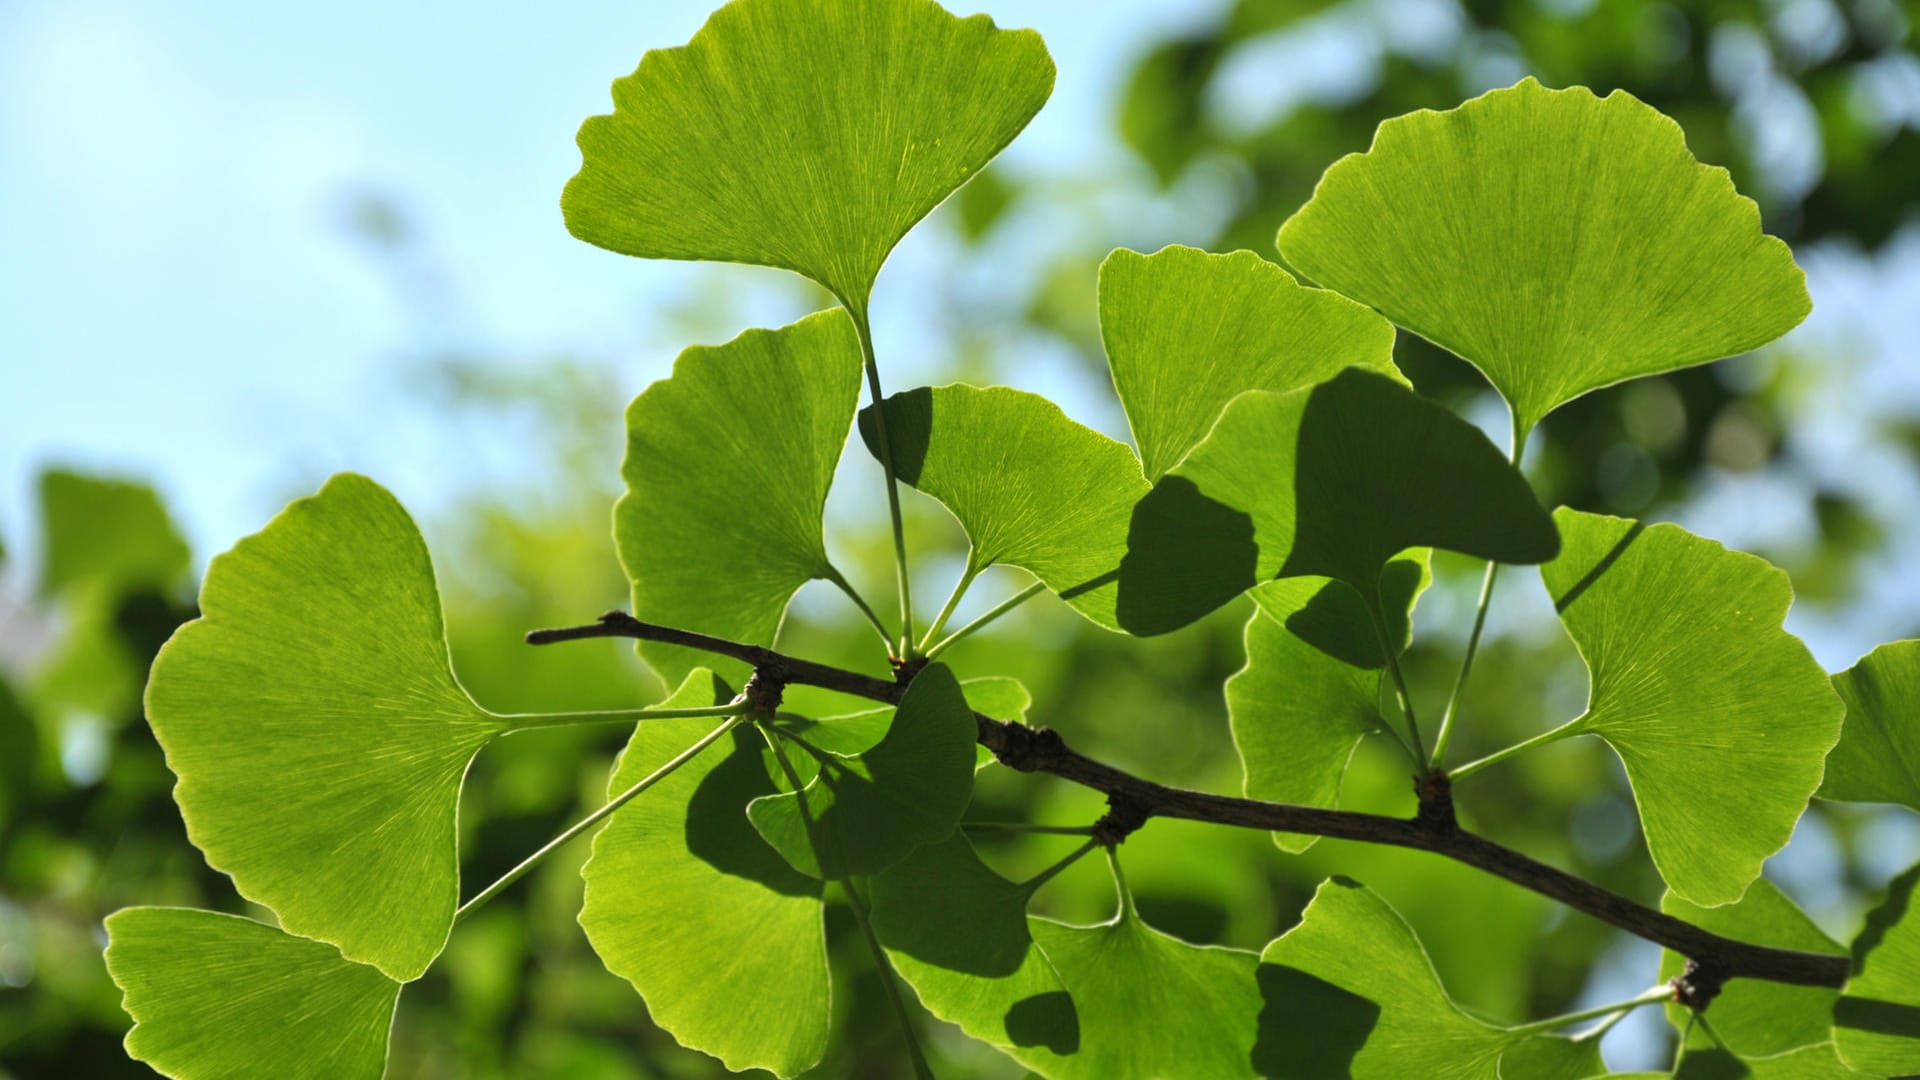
point(1571, 727)
point(1473, 639)
point(1707, 1026)
point(998, 610)
point(834, 575)
point(1127, 910)
point(1032, 884)
point(1021, 826)
point(593, 819)
point(921, 1070)
point(529, 721)
point(1663, 992)
point(953, 601)
point(901, 577)
point(1466, 667)
point(1416, 751)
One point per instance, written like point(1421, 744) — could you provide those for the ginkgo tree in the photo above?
point(1558, 241)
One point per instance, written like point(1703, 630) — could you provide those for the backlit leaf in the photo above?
point(1350, 992)
point(1032, 488)
point(804, 135)
point(859, 815)
point(1559, 241)
point(1878, 756)
point(1720, 716)
point(219, 996)
point(1757, 1017)
point(687, 903)
point(727, 469)
point(1330, 481)
point(1311, 688)
point(1186, 331)
point(320, 737)
point(957, 933)
point(1876, 1023)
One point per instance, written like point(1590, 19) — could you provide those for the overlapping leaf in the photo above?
point(1187, 331)
point(1558, 241)
point(1756, 1017)
point(1720, 716)
point(1817, 1062)
point(1878, 756)
point(106, 533)
point(1032, 488)
point(219, 996)
point(1330, 481)
point(1876, 1023)
point(685, 901)
point(859, 815)
point(318, 731)
point(1311, 688)
point(957, 933)
point(727, 469)
point(1350, 992)
point(804, 135)
point(1148, 1003)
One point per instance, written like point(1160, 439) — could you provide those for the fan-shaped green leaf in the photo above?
point(687, 903)
point(1720, 716)
point(804, 135)
point(1878, 756)
point(106, 532)
point(1186, 331)
point(1350, 992)
point(219, 996)
point(1148, 1003)
point(852, 734)
point(1311, 688)
point(318, 731)
point(859, 815)
point(1817, 1062)
point(727, 469)
point(1558, 241)
point(1876, 1023)
point(1032, 488)
point(957, 933)
point(1330, 481)
point(1757, 1017)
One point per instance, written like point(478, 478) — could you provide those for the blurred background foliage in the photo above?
point(1814, 105)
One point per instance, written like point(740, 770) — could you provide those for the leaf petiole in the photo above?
point(953, 601)
point(921, 1070)
point(1571, 727)
point(1032, 885)
point(531, 721)
point(901, 577)
point(593, 819)
point(1387, 648)
point(1021, 826)
point(998, 610)
point(1650, 996)
point(834, 575)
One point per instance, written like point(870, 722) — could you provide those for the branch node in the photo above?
point(1124, 815)
point(1699, 983)
point(1038, 749)
point(905, 670)
point(765, 688)
point(1435, 792)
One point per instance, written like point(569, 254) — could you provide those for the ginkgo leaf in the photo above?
point(957, 933)
point(1757, 1017)
point(1876, 1022)
point(1558, 241)
point(1311, 688)
point(1031, 488)
point(108, 533)
point(802, 134)
point(860, 815)
point(1330, 481)
point(1149, 1004)
point(687, 903)
point(219, 996)
point(1186, 331)
point(1878, 756)
point(852, 734)
point(1720, 716)
point(727, 469)
point(316, 727)
point(1350, 992)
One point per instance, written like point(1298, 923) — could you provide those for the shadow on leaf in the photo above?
point(1310, 1029)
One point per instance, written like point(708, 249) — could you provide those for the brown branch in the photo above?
point(1042, 750)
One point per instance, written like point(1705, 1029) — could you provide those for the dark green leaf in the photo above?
point(106, 533)
point(1878, 756)
point(1757, 1017)
point(1876, 1023)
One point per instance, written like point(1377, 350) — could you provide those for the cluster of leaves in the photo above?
point(1557, 241)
